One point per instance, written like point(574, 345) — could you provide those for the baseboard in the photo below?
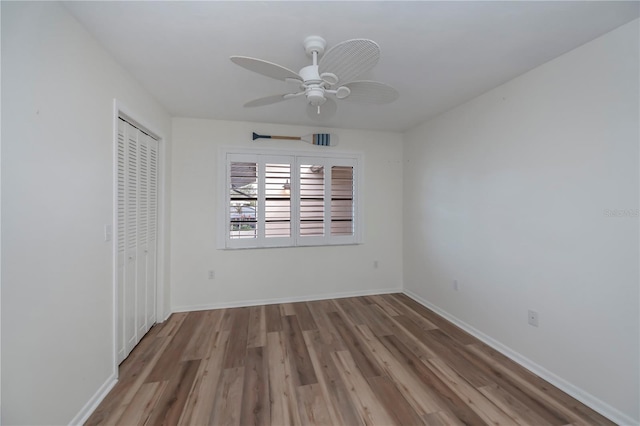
point(586, 398)
point(95, 400)
point(308, 298)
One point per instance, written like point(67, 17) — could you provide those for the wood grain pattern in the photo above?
point(374, 360)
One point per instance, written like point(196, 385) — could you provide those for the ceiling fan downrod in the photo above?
point(313, 83)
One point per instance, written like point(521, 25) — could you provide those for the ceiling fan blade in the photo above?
point(350, 59)
point(327, 110)
point(266, 101)
point(266, 68)
point(372, 92)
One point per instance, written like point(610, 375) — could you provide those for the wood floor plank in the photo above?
point(174, 396)
point(286, 309)
point(142, 404)
point(367, 364)
point(362, 310)
point(393, 401)
point(447, 398)
point(257, 333)
point(171, 356)
point(312, 406)
point(330, 335)
point(256, 406)
point(198, 344)
point(374, 322)
point(272, 317)
point(227, 319)
point(412, 337)
point(227, 407)
point(284, 409)
point(199, 404)
point(305, 319)
point(489, 412)
point(451, 329)
point(504, 381)
point(447, 348)
point(411, 314)
point(341, 411)
point(512, 406)
point(237, 347)
point(442, 418)
point(567, 411)
point(367, 405)
point(378, 360)
point(301, 366)
point(586, 414)
point(172, 324)
point(419, 396)
point(347, 308)
point(381, 302)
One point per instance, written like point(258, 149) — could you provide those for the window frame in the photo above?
point(262, 156)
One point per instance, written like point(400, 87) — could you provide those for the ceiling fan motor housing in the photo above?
point(315, 96)
point(313, 85)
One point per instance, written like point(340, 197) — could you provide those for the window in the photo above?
point(276, 199)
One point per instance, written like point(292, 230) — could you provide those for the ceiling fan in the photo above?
point(330, 76)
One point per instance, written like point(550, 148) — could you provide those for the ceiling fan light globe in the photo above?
point(342, 92)
point(315, 96)
point(329, 78)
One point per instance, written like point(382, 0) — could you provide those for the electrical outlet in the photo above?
point(212, 274)
point(533, 318)
point(455, 286)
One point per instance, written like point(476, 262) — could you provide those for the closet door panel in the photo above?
point(152, 235)
point(120, 212)
point(131, 239)
point(142, 247)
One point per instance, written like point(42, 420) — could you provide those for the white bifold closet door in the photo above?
point(137, 212)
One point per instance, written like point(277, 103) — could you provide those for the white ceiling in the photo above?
point(437, 54)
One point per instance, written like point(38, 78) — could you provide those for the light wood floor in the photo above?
point(376, 360)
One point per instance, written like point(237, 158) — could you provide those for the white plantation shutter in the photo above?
point(258, 202)
point(328, 200)
point(277, 205)
point(342, 200)
point(290, 200)
point(312, 198)
point(137, 221)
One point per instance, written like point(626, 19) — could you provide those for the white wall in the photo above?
point(58, 87)
point(248, 276)
point(507, 194)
